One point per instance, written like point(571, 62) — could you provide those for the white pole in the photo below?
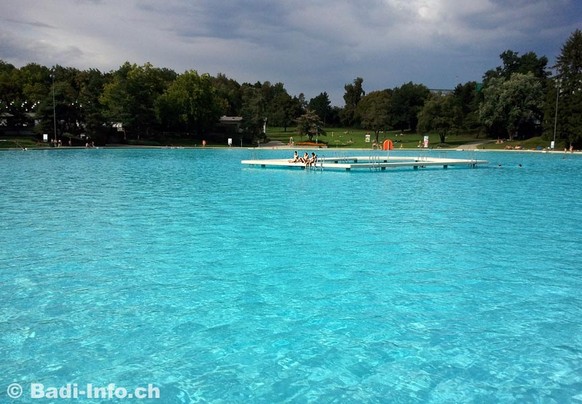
point(54, 112)
point(556, 113)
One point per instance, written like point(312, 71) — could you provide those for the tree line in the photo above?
point(519, 99)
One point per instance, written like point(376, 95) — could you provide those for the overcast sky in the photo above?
point(309, 46)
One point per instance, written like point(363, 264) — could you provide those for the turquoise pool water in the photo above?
point(218, 282)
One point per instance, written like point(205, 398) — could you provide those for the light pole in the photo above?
point(556, 113)
point(54, 112)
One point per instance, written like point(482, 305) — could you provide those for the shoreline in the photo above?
point(464, 148)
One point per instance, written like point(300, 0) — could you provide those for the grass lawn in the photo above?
point(528, 144)
point(340, 137)
point(19, 142)
point(334, 137)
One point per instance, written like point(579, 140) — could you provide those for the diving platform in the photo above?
point(349, 163)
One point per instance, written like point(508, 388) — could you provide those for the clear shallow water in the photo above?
point(215, 281)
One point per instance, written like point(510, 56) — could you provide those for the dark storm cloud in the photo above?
point(311, 47)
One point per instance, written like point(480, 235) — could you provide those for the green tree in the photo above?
point(11, 97)
point(407, 101)
point(228, 90)
point(302, 103)
point(568, 82)
point(513, 63)
point(279, 105)
point(91, 83)
point(310, 124)
point(21, 92)
point(283, 110)
point(59, 103)
point(130, 97)
point(266, 102)
point(373, 111)
point(321, 105)
point(253, 112)
point(468, 98)
point(34, 81)
point(190, 103)
point(440, 114)
point(334, 117)
point(513, 104)
point(67, 92)
point(353, 94)
point(10, 89)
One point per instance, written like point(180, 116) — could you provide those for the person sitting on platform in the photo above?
point(295, 158)
point(305, 158)
point(311, 161)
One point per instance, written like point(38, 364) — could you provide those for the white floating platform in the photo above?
point(370, 162)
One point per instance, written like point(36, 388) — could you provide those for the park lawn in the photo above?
point(334, 137)
point(20, 142)
point(534, 143)
point(339, 137)
point(342, 137)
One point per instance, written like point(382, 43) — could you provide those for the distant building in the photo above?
point(229, 124)
point(441, 91)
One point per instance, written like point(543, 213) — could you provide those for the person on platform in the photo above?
point(295, 158)
point(313, 159)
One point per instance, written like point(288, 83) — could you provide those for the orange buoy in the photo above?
point(388, 145)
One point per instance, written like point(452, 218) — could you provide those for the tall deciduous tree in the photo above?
point(310, 124)
point(374, 111)
point(253, 112)
point(228, 90)
point(66, 111)
point(10, 88)
point(91, 84)
point(468, 99)
point(440, 114)
point(407, 101)
point(23, 91)
point(279, 105)
point(353, 94)
point(513, 63)
point(34, 80)
point(283, 110)
point(569, 84)
point(131, 96)
point(321, 105)
point(513, 103)
point(190, 102)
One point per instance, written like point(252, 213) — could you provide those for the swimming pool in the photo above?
point(213, 281)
